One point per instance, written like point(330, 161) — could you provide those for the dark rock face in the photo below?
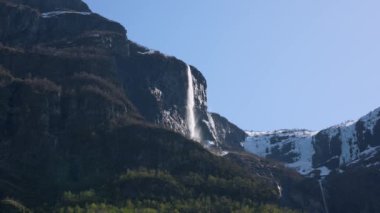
point(355, 190)
point(22, 21)
point(325, 149)
point(24, 26)
point(227, 132)
point(157, 84)
point(367, 137)
point(17, 22)
point(57, 89)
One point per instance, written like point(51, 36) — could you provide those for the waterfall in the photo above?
point(323, 196)
point(190, 117)
point(279, 188)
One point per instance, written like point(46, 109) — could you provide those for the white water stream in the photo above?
point(190, 117)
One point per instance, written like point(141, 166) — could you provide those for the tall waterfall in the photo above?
point(323, 196)
point(190, 117)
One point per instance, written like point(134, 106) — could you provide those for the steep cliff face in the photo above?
point(158, 85)
point(346, 145)
point(230, 136)
point(23, 26)
point(349, 144)
point(59, 87)
point(64, 49)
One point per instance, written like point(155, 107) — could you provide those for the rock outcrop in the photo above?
point(228, 134)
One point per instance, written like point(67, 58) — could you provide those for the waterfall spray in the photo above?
point(190, 107)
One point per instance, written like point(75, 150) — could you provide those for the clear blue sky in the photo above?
point(269, 64)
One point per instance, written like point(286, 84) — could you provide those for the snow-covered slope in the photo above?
point(352, 143)
point(291, 146)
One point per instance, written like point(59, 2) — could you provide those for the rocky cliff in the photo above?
point(229, 134)
point(158, 84)
point(155, 83)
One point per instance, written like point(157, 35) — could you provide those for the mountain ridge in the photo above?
point(338, 146)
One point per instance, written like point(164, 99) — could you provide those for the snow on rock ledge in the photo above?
point(58, 13)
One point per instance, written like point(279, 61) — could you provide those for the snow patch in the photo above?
point(149, 52)
point(156, 93)
point(324, 171)
point(261, 143)
point(153, 52)
point(304, 164)
point(282, 132)
point(62, 12)
point(223, 153)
